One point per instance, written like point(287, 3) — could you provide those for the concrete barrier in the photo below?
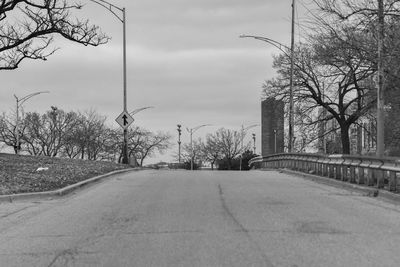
point(381, 173)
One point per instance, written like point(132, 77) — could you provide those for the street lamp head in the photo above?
point(138, 110)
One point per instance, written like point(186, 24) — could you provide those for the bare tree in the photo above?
point(28, 27)
point(142, 143)
point(196, 154)
point(8, 131)
point(331, 78)
point(229, 144)
point(335, 67)
point(88, 136)
point(152, 143)
point(47, 134)
point(211, 151)
point(378, 19)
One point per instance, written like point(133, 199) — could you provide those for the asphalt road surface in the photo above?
point(202, 218)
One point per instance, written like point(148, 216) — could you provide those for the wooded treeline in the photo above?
point(335, 71)
point(222, 148)
point(84, 135)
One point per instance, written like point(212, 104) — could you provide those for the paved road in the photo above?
point(179, 218)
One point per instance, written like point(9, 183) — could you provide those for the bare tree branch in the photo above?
point(27, 29)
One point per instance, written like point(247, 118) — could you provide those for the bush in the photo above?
point(234, 164)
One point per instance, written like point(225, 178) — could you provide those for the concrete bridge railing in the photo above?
point(378, 172)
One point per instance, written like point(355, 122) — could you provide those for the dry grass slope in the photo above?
point(18, 173)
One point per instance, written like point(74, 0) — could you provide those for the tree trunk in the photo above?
point(345, 138)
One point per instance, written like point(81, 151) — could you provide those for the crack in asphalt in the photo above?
point(14, 212)
point(65, 256)
point(242, 229)
point(110, 224)
point(166, 232)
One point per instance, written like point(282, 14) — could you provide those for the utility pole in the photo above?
point(291, 119)
point(380, 116)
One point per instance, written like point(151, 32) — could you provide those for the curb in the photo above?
point(63, 191)
point(368, 191)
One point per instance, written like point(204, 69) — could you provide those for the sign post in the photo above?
point(124, 120)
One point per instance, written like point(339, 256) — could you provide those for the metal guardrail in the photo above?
point(382, 173)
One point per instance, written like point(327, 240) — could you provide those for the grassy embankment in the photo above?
point(19, 174)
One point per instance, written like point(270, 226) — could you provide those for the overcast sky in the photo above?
point(184, 57)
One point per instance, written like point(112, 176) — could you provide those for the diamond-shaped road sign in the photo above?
point(124, 119)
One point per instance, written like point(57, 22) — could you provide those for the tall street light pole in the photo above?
point(19, 102)
point(242, 135)
point(380, 144)
point(283, 48)
point(291, 116)
point(179, 142)
point(113, 9)
point(192, 131)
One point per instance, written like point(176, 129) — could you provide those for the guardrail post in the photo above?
point(326, 169)
point(361, 175)
point(320, 169)
point(370, 177)
point(344, 173)
point(331, 171)
point(392, 181)
point(380, 178)
point(338, 172)
point(352, 178)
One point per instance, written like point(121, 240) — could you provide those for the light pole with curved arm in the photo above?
point(19, 102)
point(114, 9)
point(192, 131)
point(242, 135)
point(282, 48)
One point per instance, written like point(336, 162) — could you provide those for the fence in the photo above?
point(378, 172)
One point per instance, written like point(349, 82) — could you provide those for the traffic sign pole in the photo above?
point(124, 120)
point(125, 158)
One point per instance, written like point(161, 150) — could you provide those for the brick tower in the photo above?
point(272, 126)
